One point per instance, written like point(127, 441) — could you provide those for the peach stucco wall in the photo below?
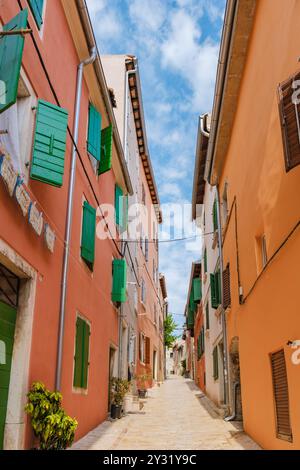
point(267, 203)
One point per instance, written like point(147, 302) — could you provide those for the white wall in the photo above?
point(214, 389)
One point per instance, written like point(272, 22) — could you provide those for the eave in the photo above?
point(236, 35)
point(137, 105)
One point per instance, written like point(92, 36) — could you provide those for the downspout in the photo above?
point(80, 69)
point(233, 415)
point(223, 317)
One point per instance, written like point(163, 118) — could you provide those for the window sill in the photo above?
point(79, 391)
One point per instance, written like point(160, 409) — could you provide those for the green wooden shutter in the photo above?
point(198, 348)
point(78, 352)
point(215, 216)
point(49, 148)
point(119, 206)
point(88, 234)
point(37, 11)
point(218, 287)
point(94, 133)
point(119, 280)
point(11, 53)
point(207, 316)
point(106, 149)
point(215, 363)
point(85, 355)
point(214, 300)
point(205, 260)
point(197, 290)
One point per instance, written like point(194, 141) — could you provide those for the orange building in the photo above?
point(58, 319)
point(253, 158)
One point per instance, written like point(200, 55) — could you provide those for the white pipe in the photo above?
point(81, 66)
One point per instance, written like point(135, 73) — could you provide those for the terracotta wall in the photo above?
point(267, 203)
point(88, 293)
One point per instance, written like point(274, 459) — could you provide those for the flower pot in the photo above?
point(142, 393)
point(115, 411)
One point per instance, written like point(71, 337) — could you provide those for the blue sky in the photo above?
point(177, 45)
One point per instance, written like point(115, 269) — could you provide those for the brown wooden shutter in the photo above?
point(290, 122)
point(147, 352)
point(226, 287)
point(281, 395)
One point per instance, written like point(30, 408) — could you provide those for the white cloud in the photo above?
point(96, 6)
point(149, 14)
point(106, 22)
point(183, 52)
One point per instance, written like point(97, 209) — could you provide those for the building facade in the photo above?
point(253, 162)
point(64, 316)
point(205, 216)
point(144, 312)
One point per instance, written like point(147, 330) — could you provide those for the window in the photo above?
point(226, 287)
point(197, 289)
point(132, 350)
point(215, 290)
point(142, 344)
point(106, 150)
point(215, 216)
point(88, 234)
point(94, 137)
point(264, 256)
point(11, 53)
point(225, 204)
point(37, 7)
point(261, 253)
point(19, 121)
point(119, 210)
point(205, 260)
point(146, 249)
point(143, 292)
point(215, 363)
point(289, 119)
point(119, 288)
point(207, 315)
point(81, 357)
point(200, 344)
point(281, 396)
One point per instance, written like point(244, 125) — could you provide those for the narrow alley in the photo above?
point(176, 416)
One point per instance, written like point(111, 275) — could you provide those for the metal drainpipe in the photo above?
point(125, 137)
point(81, 66)
point(224, 326)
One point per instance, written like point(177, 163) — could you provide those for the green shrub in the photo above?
point(54, 429)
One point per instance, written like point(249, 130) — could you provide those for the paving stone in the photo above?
point(173, 418)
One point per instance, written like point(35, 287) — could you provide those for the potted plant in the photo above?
point(141, 381)
point(53, 428)
point(118, 390)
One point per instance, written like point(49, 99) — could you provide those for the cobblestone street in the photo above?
point(175, 416)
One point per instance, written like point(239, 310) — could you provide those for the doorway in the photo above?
point(154, 364)
point(111, 371)
point(8, 317)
